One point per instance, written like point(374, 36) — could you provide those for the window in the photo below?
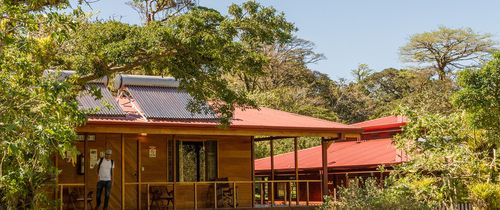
point(196, 161)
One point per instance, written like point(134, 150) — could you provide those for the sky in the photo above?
point(352, 32)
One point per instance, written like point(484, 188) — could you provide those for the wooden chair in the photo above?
point(159, 196)
point(225, 192)
point(76, 197)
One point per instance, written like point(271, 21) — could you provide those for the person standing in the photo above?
point(105, 169)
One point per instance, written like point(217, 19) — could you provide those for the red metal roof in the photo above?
point(341, 155)
point(383, 123)
point(264, 118)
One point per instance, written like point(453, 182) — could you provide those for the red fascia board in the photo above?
point(214, 125)
point(350, 167)
point(384, 126)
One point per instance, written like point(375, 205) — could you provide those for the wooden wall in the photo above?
point(69, 173)
point(234, 162)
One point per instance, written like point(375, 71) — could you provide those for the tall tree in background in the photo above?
point(160, 10)
point(447, 49)
point(361, 72)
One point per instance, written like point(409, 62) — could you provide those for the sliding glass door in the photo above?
point(196, 161)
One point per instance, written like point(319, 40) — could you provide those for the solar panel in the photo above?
point(107, 105)
point(165, 103)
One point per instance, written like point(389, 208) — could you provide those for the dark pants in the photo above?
point(107, 186)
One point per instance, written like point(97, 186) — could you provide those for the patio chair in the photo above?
point(225, 193)
point(77, 197)
point(159, 196)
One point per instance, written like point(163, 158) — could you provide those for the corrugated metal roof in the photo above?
point(107, 105)
point(349, 154)
point(165, 103)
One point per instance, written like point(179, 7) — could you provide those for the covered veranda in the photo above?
point(189, 162)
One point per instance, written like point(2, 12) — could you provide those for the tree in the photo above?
point(443, 170)
point(479, 97)
point(447, 49)
point(38, 115)
point(361, 72)
point(41, 112)
point(160, 10)
point(198, 48)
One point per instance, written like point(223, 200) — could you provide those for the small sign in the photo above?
point(152, 151)
point(93, 158)
point(80, 137)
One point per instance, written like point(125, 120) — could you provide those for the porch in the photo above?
point(153, 171)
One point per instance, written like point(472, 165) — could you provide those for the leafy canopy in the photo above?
point(198, 48)
point(447, 49)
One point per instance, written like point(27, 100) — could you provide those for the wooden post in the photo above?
point(123, 171)
point(147, 197)
point(324, 155)
point(57, 176)
point(215, 195)
point(61, 197)
point(272, 171)
point(175, 167)
point(307, 193)
point(139, 169)
point(195, 197)
point(296, 154)
point(262, 193)
point(86, 171)
point(234, 194)
point(252, 158)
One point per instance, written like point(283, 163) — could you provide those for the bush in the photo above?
point(485, 195)
point(368, 194)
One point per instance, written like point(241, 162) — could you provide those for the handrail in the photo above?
point(234, 184)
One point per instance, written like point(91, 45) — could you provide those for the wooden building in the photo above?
point(165, 155)
point(348, 159)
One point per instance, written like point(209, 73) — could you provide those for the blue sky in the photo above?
point(351, 32)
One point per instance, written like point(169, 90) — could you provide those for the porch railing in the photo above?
point(61, 191)
point(266, 192)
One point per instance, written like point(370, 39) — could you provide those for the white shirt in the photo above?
point(105, 170)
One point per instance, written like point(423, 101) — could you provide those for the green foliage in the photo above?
point(480, 98)
point(361, 72)
point(198, 48)
point(443, 170)
point(36, 111)
point(295, 100)
point(263, 149)
point(368, 194)
point(447, 49)
point(38, 115)
point(485, 195)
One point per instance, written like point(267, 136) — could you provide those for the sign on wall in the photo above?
point(93, 158)
point(152, 151)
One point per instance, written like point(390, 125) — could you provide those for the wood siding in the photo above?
point(234, 162)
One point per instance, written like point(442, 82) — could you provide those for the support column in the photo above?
point(174, 142)
point(324, 155)
point(85, 170)
point(139, 177)
point(296, 158)
point(123, 171)
point(252, 158)
point(272, 171)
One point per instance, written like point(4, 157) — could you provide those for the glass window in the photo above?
point(196, 161)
